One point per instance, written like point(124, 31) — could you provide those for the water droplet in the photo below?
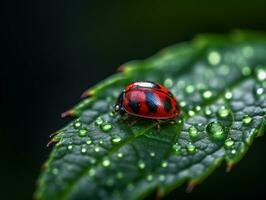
point(177, 148)
point(96, 149)
point(190, 89)
point(116, 139)
point(216, 130)
point(149, 177)
point(93, 161)
point(233, 151)
point(168, 83)
point(162, 178)
point(83, 150)
point(120, 155)
point(119, 175)
point(106, 127)
point(88, 141)
point(55, 171)
point(152, 154)
point(207, 111)
point(69, 147)
point(214, 58)
point(100, 141)
point(228, 95)
point(198, 108)
point(191, 148)
point(83, 132)
point(247, 51)
point(164, 164)
point(246, 119)
point(141, 164)
point(111, 114)
point(259, 91)
point(246, 70)
point(179, 121)
point(92, 172)
point(223, 112)
point(261, 74)
point(183, 103)
point(99, 121)
point(193, 132)
point(191, 113)
point(229, 143)
point(77, 124)
point(106, 163)
point(207, 94)
point(224, 69)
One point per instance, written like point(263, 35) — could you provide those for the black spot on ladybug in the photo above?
point(150, 101)
point(134, 105)
point(167, 104)
point(170, 94)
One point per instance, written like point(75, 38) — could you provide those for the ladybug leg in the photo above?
point(158, 125)
point(133, 122)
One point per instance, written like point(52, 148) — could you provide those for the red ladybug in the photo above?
point(147, 99)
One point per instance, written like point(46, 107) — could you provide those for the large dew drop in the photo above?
point(216, 130)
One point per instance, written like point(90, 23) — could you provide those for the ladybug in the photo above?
point(149, 100)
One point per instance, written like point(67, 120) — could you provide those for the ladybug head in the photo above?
point(118, 107)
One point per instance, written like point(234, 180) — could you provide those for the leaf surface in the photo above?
point(220, 83)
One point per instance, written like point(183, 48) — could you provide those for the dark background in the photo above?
point(53, 50)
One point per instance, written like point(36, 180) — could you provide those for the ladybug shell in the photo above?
point(154, 102)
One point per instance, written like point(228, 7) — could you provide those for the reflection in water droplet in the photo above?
point(246, 119)
point(111, 114)
point(83, 132)
point(193, 132)
point(223, 112)
point(106, 163)
point(261, 74)
point(190, 89)
point(83, 150)
point(106, 127)
point(69, 147)
point(207, 111)
point(259, 91)
point(77, 124)
point(233, 151)
point(191, 113)
point(164, 164)
point(228, 95)
point(88, 141)
point(168, 83)
point(96, 149)
point(214, 58)
point(177, 148)
point(152, 154)
point(183, 103)
point(191, 148)
point(99, 121)
point(100, 141)
point(246, 70)
point(116, 139)
point(207, 94)
point(216, 130)
point(198, 108)
point(229, 143)
point(141, 164)
point(120, 155)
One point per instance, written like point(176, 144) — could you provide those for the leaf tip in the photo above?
point(229, 167)
point(191, 185)
point(68, 113)
point(87, 93)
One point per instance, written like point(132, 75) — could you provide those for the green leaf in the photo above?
point(220, 83)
